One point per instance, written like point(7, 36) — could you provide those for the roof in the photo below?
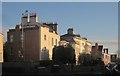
point(11, 29)
point(73, 35)
point(70, 35)
point(72, 41)
point(99, 46)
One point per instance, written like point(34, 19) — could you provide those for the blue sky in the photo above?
point(0, 17)
point(96, 21)
point(60, 0)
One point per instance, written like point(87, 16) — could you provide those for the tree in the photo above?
point(63, 54)
point(7, 52)
point(88, 59)
point(84, 59)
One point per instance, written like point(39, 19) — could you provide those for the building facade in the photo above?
point(113, 57)
point(109, 58)
point(1, 47)
point(106, 56)
point(32, 41)
point(97, 51)
point(81, 45)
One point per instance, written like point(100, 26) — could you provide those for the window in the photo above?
point(52, 41)
point(19, 53)
point(21, 37)
point(82, 44)
point(106, 56)
point(106, 51)
point(11, 38)
point(44, 37)
point(44, 48)
point(56, 41)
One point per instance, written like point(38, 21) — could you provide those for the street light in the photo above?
point(23, 56)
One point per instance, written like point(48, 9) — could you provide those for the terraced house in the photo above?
point(81, 45)
point(34, 41)
point(31, 40)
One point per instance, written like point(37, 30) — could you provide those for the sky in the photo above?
point(98, 21)
point(0, 17)
point(60, 0)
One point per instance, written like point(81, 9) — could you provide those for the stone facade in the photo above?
point(106, 56)
point(81, 45)
point(34, 41)
point(97, 51)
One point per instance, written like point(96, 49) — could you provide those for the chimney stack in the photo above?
point(24, 19)
point(56, 27)
point(53, 26)
point(96, 46)
point(33, 18)
point(70, 31)
point(106, 50)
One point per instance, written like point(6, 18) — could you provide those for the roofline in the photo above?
point(84, 39)
point(80, 38)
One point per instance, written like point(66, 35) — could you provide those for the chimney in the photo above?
point(18, 27)
point(53, 26)
point(33, 18)
point(56, 27)
point(70, 31)
point(106, 50)
point(96, 46)
point(24, 19)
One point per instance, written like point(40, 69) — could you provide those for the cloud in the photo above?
point(109, 42)
point(60, 1)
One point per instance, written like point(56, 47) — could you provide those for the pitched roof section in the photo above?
point(68, 35)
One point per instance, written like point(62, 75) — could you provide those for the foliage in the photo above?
point(117, 60)
point(7, 51)
point(63, 54)
point(84, 58)
point(87, 59)
point(45, 62)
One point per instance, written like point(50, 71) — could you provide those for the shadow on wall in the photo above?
point(44, 54)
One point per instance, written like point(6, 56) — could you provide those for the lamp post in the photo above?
point(23, 56)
